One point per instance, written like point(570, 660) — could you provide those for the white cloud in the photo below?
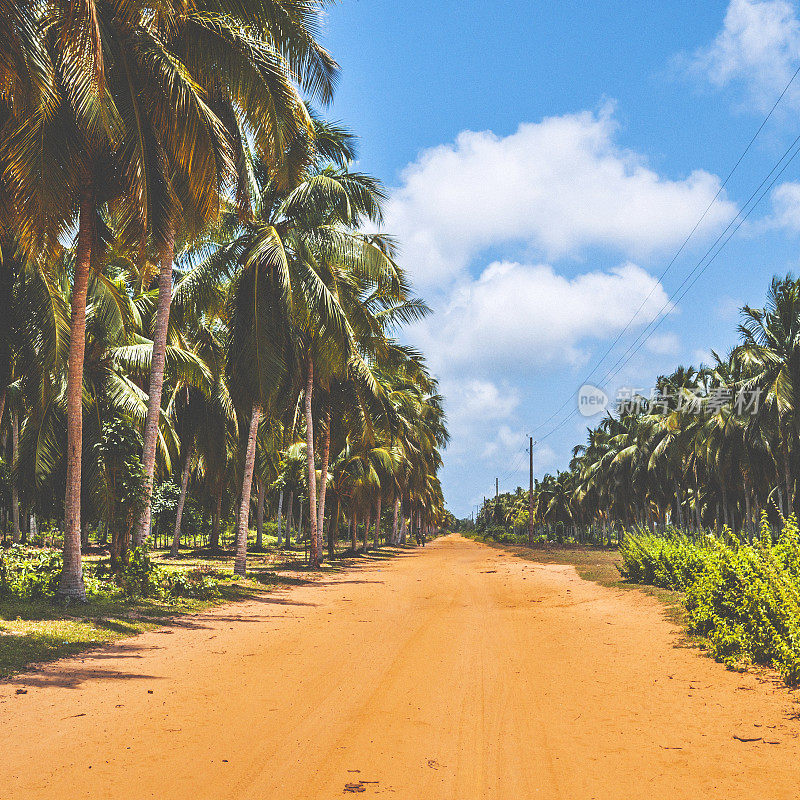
point(758, 48)
point(727, 308)
point(474, 408)
point(506, 443)
point(517, 316)
point(786, 207)
point(557, 187)
point(663, 344)
point(705, 357)
point(479, 399)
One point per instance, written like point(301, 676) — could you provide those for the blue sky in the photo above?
point(545, 163)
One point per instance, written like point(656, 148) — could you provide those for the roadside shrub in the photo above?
point(670, 560)
point(140, 577)
point(743, 598)
point(29, 573)
point(201, 583)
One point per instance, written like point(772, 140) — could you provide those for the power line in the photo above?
point(698, 270)
point(679, 251)
point(518, 464)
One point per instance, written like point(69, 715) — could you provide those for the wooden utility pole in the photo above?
point(530, 496)
point(497, 488)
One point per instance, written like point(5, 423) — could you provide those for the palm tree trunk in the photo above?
point(394, 520)
point(242, 523)
point(367, 526)
point(2, 402)
point(176, 536)
point(679, 504)
point(260, 516)
point(788, 480)
point(15, 534)
point(156, 382)
point(314, 543)
point(748, 518)
point(353, 531)
point(377, 535)
point(289, 513)
point(71, 582)
point(280, 512)
point(299, 536)
point(725, 518)
point(326, 451)
point(333, 528)
point(215, 520)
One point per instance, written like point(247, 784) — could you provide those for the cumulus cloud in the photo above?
point(474, 409)
point(515, 316)
point(757, 49)
point(557, 187)
point(663, 344)
point(480, 399)
point(506, 441)
point(786, 207)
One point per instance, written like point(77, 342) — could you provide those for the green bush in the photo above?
point(28, 573)
point(743, 598)
point(140, 577)
point(200, 583)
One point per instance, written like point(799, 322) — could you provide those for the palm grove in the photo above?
point(710, 447)
point(191, 291)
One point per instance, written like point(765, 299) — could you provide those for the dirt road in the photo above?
point(456, 672)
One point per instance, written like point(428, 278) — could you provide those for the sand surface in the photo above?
point(457, 671)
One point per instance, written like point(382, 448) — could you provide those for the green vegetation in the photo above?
point(697, 484)
point(36, 627)
point(711, 446)
point(201, 312)
point(742, 598)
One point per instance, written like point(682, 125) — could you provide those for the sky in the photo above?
point(545, 164)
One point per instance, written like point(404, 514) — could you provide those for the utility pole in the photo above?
point(497, 488)
point(530, 496)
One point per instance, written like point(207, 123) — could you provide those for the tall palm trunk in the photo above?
point(15, 534)
point(2, 399)
point(289, 513)
point(156, 382)
point(725, 517)
point(71, 582)
point(367, 525)
point(679, 504)
point(314, 543)
point(242, 523)
point(215, 520)
point(353, 531)
point(260, 515)
point(377, 535)
point(280, 512)
point(333, 526)
point(300, 536)
point(748, 525)
point(788, 481)
point(394, 520)
point(176, 536)
point(326, 452)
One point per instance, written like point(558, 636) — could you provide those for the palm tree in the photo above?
point(244, 66)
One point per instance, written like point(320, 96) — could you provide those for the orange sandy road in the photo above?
point(456, 672)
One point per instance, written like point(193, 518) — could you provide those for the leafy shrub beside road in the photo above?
point(743, 597)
